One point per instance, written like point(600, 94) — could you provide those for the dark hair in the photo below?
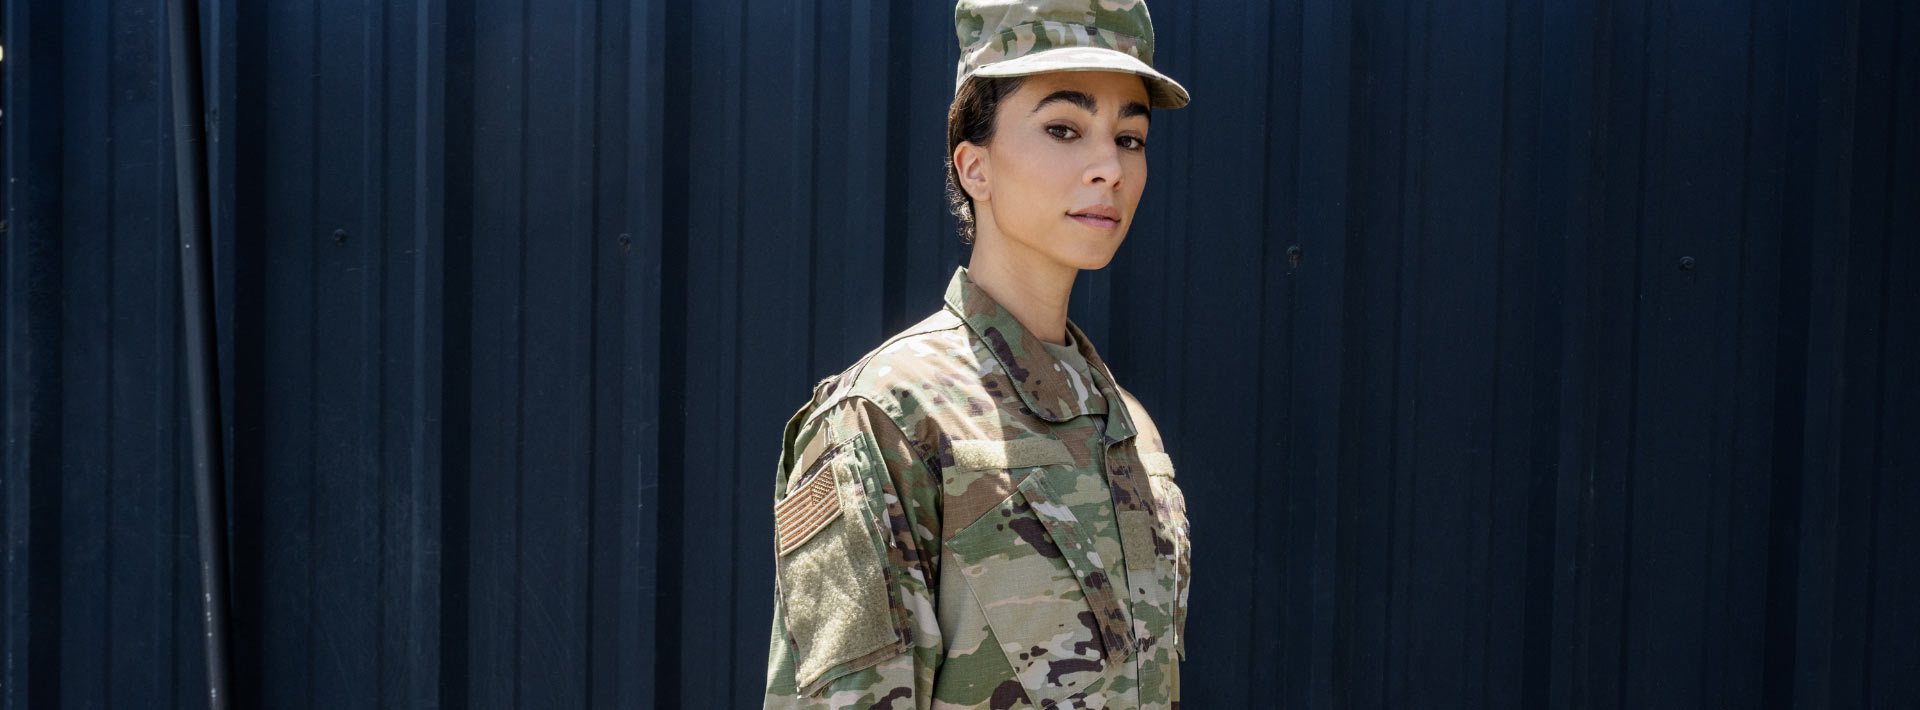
point(971, 119)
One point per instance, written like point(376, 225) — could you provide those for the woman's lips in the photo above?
point(1097, 216)
point(1101, 223)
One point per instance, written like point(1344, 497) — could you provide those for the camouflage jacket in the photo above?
point(962, 521)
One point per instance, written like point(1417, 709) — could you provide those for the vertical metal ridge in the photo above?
point(1543, 525)
point(423, 659)
point(897, 159)
point(1503, 328)
point(805, 110)
point(646, 96)
point(731, 309)
point(110, 221)
point(34, 410)
point(595, 64)
point(1627, 682)
point(375, 221)
point(676, 177)
point(518, 392)
point(456, 221)
point(1273, 213)
point(245, 145)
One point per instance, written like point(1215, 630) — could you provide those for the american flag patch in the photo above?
point(806, 510)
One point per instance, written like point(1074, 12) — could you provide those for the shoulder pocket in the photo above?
point(836, 589)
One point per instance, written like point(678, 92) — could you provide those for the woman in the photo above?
point(975, 514)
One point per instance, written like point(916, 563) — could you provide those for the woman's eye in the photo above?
point(1131, 143)
point(1062, 132)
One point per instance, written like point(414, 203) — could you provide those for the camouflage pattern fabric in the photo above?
point(963, 522)
point(1023, 37)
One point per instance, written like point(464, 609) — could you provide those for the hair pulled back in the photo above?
point(970, 119)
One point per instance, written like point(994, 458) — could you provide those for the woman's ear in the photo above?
point(970, 163)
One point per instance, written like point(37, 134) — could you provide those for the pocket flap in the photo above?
point(1116, 633)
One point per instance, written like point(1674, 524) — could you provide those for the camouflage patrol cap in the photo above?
point(1022, 37)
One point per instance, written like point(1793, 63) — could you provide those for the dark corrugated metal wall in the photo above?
point(1514, 355)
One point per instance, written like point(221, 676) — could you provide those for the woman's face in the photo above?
point(1065, 168)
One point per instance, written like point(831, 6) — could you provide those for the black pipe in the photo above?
point(196, 299)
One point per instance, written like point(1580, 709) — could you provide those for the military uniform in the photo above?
point(963, 520)
point(967, 518)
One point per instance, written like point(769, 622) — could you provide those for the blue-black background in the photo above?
point(515, 295)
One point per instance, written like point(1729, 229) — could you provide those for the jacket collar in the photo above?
point(1039, 376)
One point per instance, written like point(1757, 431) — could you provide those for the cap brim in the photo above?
point(1163, 91)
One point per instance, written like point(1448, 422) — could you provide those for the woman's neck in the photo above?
point(1029, 285)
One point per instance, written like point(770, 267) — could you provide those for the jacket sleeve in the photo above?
point(856, 550)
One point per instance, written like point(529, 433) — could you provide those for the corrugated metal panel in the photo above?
point(1513, 355)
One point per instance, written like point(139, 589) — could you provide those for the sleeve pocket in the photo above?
point(835, 586)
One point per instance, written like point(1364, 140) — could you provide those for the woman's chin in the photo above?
point(1090, 256)
point(1092, 264)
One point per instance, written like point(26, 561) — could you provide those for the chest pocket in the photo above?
point(1041, 585)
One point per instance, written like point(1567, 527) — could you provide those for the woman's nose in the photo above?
point(1104, 167)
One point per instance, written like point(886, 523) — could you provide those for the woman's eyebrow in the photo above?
point(1087, 102)
point(1077, 98)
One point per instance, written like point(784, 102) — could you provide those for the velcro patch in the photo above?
point(806, 510)
point(1017, 453)
point(1157, 463)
